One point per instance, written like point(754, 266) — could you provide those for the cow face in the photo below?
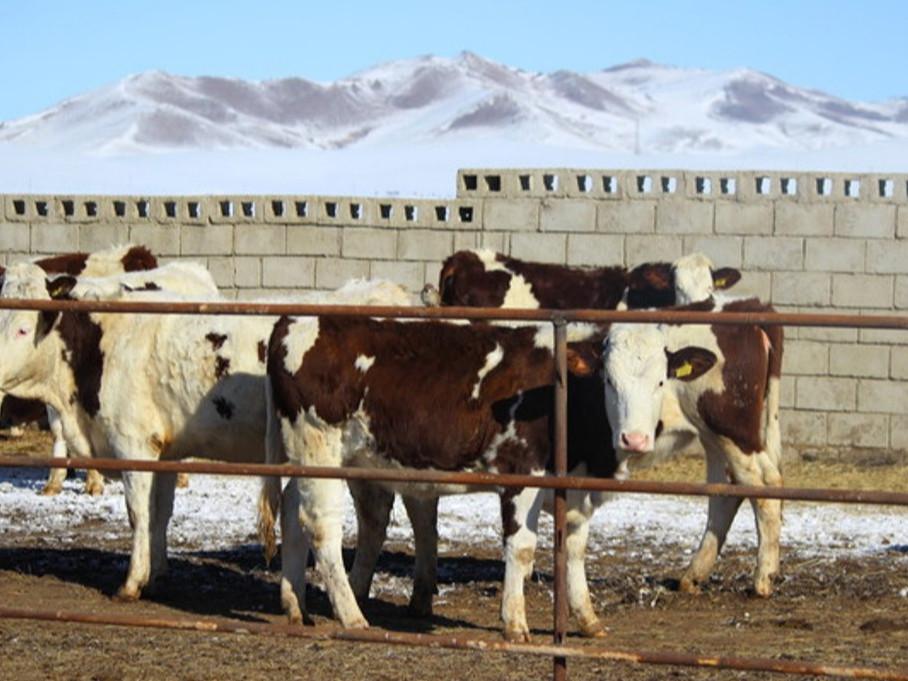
point(641, 391)
point(696, 280)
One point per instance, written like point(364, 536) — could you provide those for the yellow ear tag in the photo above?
point(720, 283)
point(685, 369)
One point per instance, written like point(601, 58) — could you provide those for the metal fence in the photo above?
point(560, 482)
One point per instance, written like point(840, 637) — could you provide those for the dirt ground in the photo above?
point(835, 611)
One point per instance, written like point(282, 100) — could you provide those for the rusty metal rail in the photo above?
point(560, 482)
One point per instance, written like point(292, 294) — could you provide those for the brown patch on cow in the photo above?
point(221, 367)
point(464, 281)
point(560, 288)
point(69, 263)
point(224, 407)
point(651, 285)
point(148, 286)
point(217, 340)
point(138, 258)
point(737, 413)
point(262, 348)
point(82, 338)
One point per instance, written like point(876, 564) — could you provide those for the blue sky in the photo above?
point(54, 49)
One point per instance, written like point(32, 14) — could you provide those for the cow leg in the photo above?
point(423, 513)
point(578, 593)
point(721, 513)
point(162, 511)
point(294, 553)
point(137, 487)
point(55, 478)
point(520, 515)
point(768, 516)
point(373, 511)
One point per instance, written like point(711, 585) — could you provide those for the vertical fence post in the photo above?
point(560, 501)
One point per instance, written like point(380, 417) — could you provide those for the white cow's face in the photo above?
point(693, 279)
point(642, 383)
point(20, 330)
point(635, 367)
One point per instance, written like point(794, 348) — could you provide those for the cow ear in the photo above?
point(689, 363)
point(60, 287)
point(725, 277)
point(583, 359)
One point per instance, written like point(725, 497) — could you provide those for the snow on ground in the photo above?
point(219, 512)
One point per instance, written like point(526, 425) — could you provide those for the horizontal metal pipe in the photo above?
point(593, 316)
point(459, 643)
point(491, 481)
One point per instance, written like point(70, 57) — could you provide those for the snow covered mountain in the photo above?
point(639, 107)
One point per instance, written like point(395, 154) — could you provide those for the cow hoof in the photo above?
point(420, 608)
point(51, 490)
point(182, 480)
point(592, 629)
point(689, 586)
point(517, 635)
point(124, 596)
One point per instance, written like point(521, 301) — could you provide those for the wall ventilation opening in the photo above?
point(91, 209)
point(385, 210)
point(550, 182)
point(331, 209)
point(277, 209)
point(356, 211)
point(19, 206)
point(852, 188)
point(466, 213)
point(824, 186)
point(493, 183)
point(703, 185)
point(470, 183)
point(142, 209)
point(248, 208)
point(763, 185)
point(669, 184)
point(644, 184)
point(886, 189)
point(789, 186)
point(170, 209)
point(69, 208)
point(728, 186)
point(610, 184)
point(441, 213)
point(584, 183)
point(526, 183)
point(411, 214)
point(119, 209)
point(41, 208)
point(302, 209)
point(226, 209)
point(195, 210)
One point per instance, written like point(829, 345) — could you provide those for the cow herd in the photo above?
point(332, 390)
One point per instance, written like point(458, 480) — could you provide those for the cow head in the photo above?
point(641, 375)
point(696, 279)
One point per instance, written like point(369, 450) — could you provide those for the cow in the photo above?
point(140, 386)
point(668, 383)
point(486, 278)
point(123, 258)
point(427, 395)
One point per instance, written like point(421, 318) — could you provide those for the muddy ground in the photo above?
point(836, 610)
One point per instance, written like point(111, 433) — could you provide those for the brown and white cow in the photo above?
point(484, 278)
point(667, 382)
point(107, 262)
point(380, 393)
point(142, 386)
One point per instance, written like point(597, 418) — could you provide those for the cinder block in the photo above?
point(835, 255)
point(805, 358)
point(209, 240)
point(882, 396)
point(248, 272)
point(261, 239)
point(54, 238)
point(675, 216)
point(567, 215)
point(860, 361)
point(517, 215)
point(633, 217)
point(743, 218)
point(160, 240)
point(901, 292)
point(889, 256)
point(862, 291)
point(826, 394)
point(288, 272)
point(595, 249)
point(99, 236)
point(724, 251)
point(540, 247)
point(641, 249)
point(803, 428)
point(369, 243)
point(777, 253)
point(313, 240)
point(858, 430)
point(801, 288)
point(424, 244)
point(898, 432)
point(899, 369)
point(412, 275)
point(804, 219)
point(332, 273)
point(15, 237)
point(868, 220)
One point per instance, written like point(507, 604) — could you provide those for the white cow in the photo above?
point(140, 386)
point(666, 383)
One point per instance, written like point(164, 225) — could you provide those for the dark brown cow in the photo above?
point(378, 393)
point(484, 278)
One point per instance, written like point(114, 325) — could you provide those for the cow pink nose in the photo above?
point(635, 442)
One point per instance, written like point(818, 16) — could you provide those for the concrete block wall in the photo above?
point(808, 242)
